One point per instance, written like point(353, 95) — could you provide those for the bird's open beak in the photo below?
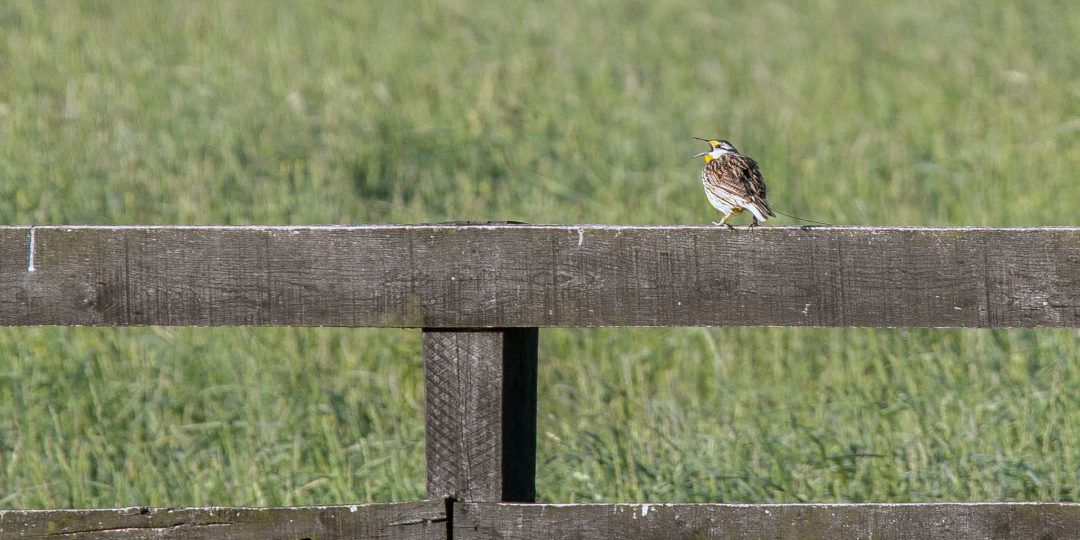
point(706, 141)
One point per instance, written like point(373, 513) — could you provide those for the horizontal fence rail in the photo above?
point(806, 521)
point(501, 276)
point(428, 520)
point(422, 520)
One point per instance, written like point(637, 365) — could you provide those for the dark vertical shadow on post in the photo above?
point(480, 412)
point(520, 349)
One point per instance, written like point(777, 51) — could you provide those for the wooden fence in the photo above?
point(480, 293)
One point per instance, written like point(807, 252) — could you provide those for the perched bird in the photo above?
point(733, 183)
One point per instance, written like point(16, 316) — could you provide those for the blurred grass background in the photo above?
point(276, 112)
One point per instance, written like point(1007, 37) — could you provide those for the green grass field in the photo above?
point(278, 112)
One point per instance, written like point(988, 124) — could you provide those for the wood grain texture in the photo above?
point(480, 419)
point(483, 276)
point(807, 521)
point(424, 520)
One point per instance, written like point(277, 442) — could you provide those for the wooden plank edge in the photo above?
point(538, 226)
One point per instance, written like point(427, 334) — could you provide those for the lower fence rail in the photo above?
point(438, 519)
point(809, 521)
point(422, 520)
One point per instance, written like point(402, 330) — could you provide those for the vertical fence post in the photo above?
point(480, 419)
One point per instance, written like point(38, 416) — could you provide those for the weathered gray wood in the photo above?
point(808, 521)
point(481, 414)
point(414, 520)
point(534, 276)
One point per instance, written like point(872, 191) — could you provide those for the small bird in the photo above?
point(733, 183)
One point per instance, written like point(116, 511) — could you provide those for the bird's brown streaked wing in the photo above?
point(721, 175)
point(739, 175)
point(754, 183)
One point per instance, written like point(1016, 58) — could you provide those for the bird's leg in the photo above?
point(754, 224)
point(724, 222)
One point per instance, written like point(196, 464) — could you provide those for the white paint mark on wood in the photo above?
point(644, 510)
point(580, 237)
point(30, 258)
point(806, 309)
